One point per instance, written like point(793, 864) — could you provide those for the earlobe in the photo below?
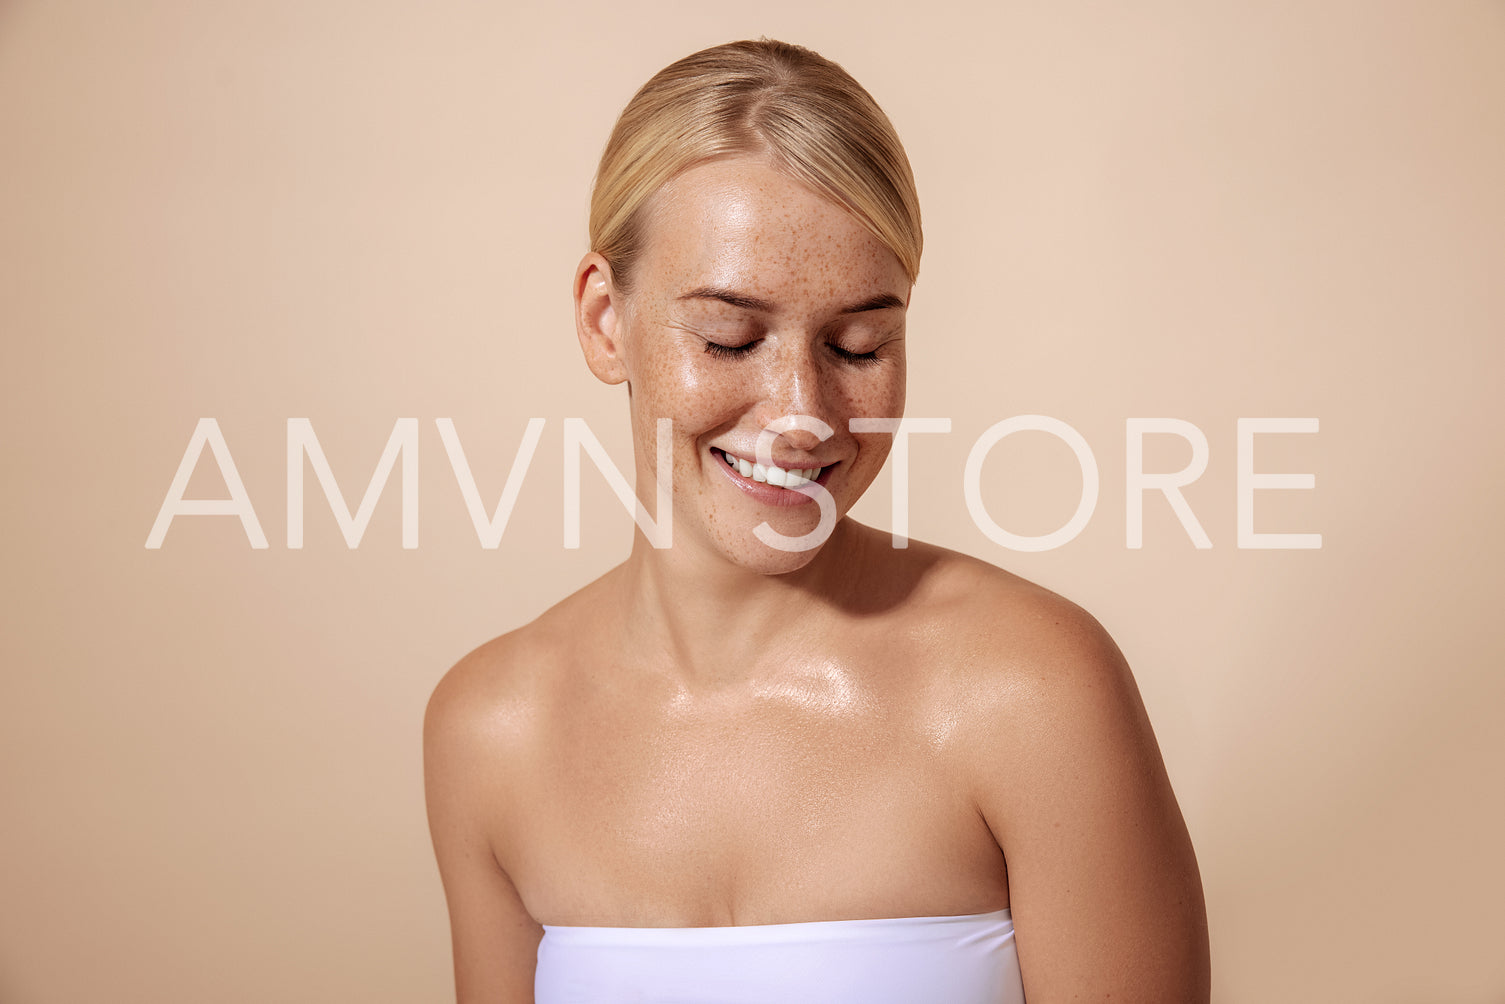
point(598, 319)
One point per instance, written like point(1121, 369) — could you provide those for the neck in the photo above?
point(718, 623)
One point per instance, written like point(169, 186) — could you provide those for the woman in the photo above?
point(780, 759)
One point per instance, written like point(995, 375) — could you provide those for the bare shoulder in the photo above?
point(1055, 740)
point(1011, 637)
point(1031, 674)
point(483, 694)
point(494, 695)
point(492, 678)
point(480, 736)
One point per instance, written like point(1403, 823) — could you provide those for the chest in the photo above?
point(781, 805)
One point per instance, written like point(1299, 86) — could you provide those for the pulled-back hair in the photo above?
point(805, 112)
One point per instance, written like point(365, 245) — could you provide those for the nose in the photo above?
point(794, 385)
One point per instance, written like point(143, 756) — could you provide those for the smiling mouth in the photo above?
point(777, 476)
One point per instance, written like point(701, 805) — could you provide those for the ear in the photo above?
point(598, 319)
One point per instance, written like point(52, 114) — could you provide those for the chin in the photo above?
point(743, 549)
point(771, 561)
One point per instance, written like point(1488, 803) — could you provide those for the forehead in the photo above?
point(738, 223)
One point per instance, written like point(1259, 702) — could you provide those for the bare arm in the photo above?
point(1103, 883)
point(495, 939)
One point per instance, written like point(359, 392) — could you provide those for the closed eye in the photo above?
point(730, 351)
point(856, 358)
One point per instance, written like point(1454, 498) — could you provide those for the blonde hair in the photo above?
point(816, 123)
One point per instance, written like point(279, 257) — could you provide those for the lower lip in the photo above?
point(766, 493)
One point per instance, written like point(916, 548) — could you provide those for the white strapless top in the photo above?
point(900, 960)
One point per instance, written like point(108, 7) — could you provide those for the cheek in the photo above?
point(685, 387)
point(878, 392)
point(896, 390)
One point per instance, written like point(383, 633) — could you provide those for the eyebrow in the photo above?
point(881, 301)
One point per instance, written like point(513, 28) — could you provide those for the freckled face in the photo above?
point(754, 299)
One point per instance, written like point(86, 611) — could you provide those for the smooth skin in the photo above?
point(722, 732)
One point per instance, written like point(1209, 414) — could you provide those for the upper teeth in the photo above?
point(773, 475)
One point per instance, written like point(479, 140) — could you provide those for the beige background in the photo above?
point(352, 212)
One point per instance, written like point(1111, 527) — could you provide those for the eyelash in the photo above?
point(728, 351)
point(856, 358)
point(740, 351)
